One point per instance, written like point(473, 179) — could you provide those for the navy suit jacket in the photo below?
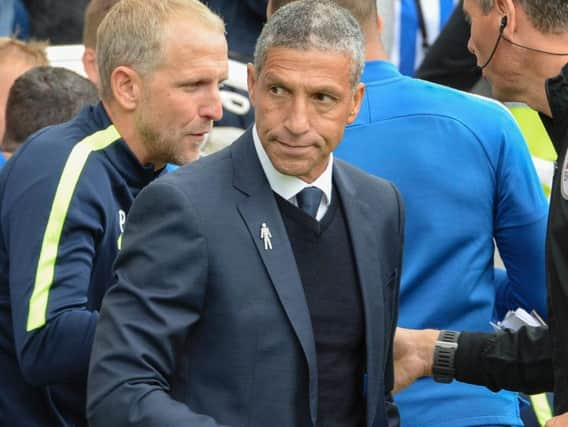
point(206, 327)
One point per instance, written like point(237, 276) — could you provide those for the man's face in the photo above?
point(503, 69)
point(9, 72)
point(303, 101)
point(180, 98)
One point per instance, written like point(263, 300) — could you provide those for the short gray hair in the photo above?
point(310, 24)
point(133, 34)
point(548, 16)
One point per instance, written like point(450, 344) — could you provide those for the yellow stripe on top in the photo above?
point(541, 408)
point(49, 248)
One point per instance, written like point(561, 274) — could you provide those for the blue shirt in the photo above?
point(467, 179)
point(2, 160)
point(14, 19)
point(64, 198)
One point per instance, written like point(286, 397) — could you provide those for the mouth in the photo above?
point(291, 149)
point(199, 136)
point(292, 145)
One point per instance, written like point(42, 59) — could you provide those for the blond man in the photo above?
point(66, 193)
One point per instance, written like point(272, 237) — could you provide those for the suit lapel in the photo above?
point(260, 208)
point(359, 216)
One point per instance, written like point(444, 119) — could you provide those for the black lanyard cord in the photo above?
point(422, 25)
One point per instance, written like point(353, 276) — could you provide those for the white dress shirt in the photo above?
point(287, 186)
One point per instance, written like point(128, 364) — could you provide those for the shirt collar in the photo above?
point(379, 71)
point(287, 186)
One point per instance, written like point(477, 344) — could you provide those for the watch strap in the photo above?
point(443, 368)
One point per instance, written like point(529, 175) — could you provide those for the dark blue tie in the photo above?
point(309, 200)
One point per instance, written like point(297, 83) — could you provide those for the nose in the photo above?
point(297, 117)
point(211, 106)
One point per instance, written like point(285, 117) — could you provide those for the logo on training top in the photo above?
point(121, 219)
point(121, 222)
point(564, 176)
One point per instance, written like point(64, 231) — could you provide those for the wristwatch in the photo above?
point(443, 368)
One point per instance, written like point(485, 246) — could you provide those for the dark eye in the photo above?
point(323, 97)
point(276, 90)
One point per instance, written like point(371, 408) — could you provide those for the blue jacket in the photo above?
point(63, 200)
point(467, 180)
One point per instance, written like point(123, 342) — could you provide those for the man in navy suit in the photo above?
point(259, 286)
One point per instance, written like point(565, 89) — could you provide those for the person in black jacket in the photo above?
point(448, 61)
point(244, 20)
point(522, 48)
point(59, 21)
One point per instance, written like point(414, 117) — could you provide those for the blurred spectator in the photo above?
point(94, 14)
point(448, 60)
point(244, 20)
point(59, 21)
point(13, 19)
point(41, 97)
point(16, 57)
point(411, 27)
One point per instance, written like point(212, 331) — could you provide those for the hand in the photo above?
point(558, 421)
point(413, 355)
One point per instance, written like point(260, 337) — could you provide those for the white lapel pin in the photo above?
point(266, 236)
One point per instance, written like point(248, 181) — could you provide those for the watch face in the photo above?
point(445, 344)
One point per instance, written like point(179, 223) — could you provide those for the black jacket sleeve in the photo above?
point(448, 61)
point(518, 361)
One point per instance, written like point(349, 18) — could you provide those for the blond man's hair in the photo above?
point(31, 52)
point(133, 34)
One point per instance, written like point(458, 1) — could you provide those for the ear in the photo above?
point(90, 65)
point(251, 81)
point(269, 11)
point(126, 85)
point(356, 102)
point(380, 23)
point(507, 8)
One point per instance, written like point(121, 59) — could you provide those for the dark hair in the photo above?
point(547, 16)
point(60, 22)
point(41, 97)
